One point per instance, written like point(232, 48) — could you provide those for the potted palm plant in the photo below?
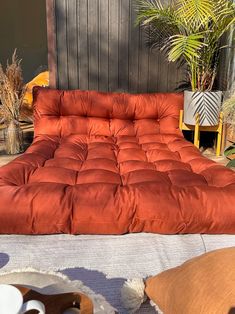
point(190, 32)
point(11, 97)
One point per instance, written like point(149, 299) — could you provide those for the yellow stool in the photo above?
point(197, 129)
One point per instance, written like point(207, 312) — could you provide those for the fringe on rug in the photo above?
point(35, 270)
point(133, 295)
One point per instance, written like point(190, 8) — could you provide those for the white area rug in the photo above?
point(104, 262)
point(54, 283)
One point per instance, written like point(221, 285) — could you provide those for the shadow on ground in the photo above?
point(109, 288)
point(4, 259)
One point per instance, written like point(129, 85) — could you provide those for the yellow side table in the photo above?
point(197, 129)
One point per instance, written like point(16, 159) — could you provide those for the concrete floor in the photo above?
point(210, 153)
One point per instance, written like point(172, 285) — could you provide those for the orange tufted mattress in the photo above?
point(109, 163)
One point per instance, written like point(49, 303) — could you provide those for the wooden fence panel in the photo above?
point(98, 47)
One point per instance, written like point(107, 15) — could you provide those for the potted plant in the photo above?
point(11, 97)
point(229, 117)
point(190, 32)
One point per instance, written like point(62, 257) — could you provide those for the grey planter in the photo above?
point(207, 104)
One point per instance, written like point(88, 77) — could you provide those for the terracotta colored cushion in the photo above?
point(112, 163)
point(202, 285)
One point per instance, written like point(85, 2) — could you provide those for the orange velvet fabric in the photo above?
point(112, 163)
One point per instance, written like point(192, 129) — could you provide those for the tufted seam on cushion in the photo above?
point(26, 175)
point(192, 179)
point(191, 160)
point(117, 149)
point(108, 105)
point(177, 199)
point(4, 182)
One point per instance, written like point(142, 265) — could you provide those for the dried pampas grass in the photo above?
point(229, 115)
point(11, 90)
point(229, 109)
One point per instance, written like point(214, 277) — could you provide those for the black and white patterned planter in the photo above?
point(207, 104)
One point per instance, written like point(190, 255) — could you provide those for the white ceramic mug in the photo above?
point(11, 301)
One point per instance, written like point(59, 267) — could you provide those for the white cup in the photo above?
point(11, 302)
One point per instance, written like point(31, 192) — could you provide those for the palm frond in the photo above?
point(184, 46)
point(225, 17)
point(153, 12)
point(189, 30)
point(160, 22)
point(158, 34)
point(195, 12)
point(147, 11)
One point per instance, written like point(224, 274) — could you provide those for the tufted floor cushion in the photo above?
point(109, 163)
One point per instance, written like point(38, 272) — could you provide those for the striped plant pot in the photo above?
point(207, 104)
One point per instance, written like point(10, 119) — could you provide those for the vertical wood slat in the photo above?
point(153, 71)
point(181, 76)
point(72, 38)
point(99, 47)
point(123, 68)
point(62, 53)
point(172, 81)
point(51, 36)
point(143, 63)
point(113, 14)
point(83, 45)
point(226, 77)
point(162, 74)
point(103, 45)
point(133, 50)
point(93, 44)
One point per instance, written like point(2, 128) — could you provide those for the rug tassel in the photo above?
point(133, 295)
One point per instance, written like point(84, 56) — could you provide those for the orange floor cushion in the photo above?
point(204, 284)
point(112, 163)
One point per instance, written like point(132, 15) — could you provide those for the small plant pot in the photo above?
point(13, 138)
point(206, 104)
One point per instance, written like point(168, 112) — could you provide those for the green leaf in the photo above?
point(184, 46)
point(230, 150)
point(231, 163)
point(196, 12)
